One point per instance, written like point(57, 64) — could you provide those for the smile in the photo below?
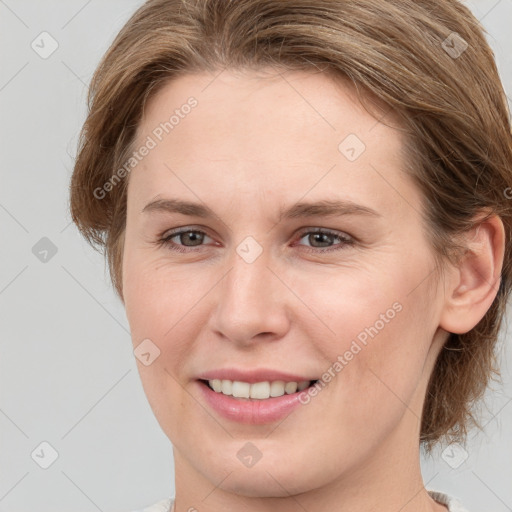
point(255, 403)
point(257, 390)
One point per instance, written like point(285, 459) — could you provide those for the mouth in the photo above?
point(264, 390)
point(254, 396)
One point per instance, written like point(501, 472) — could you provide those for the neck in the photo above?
point(387, 481)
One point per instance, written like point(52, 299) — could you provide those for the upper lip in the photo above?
point(252, 376)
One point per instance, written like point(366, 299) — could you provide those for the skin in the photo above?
point(256, 142)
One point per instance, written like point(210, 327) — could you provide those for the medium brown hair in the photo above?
point(412, 56)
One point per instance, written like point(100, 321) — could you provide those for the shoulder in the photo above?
point(452, 504)
point(161, 506)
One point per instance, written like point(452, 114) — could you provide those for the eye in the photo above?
point(185, 238)
point(319, 239)
point(323, 239)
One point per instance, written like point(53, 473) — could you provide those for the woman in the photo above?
point(303, 205)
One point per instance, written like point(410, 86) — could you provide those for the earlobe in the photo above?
point(476, 280)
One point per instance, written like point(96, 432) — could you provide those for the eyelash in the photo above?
point(345, 240)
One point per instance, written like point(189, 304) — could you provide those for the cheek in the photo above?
point(160, 307)
point(157, 299)
point(375, 329)
point(164, 305)
point(349, 304)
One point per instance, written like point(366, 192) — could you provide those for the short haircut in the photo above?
point(428, 61)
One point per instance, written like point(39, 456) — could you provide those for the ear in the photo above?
point(476, 279)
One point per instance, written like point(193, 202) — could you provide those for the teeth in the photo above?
point(277, 388)
point(216, 384)
point(226, 387)
point(258, 390)
point(290, 387)
point(302, 385)
point(241, 389)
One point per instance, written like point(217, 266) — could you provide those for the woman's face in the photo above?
point(301, 258)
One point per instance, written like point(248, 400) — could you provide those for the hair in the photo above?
point(411, 56)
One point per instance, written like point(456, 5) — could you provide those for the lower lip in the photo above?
point(252, 411)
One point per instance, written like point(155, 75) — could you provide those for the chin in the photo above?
point(278, 477)
point(261, 484)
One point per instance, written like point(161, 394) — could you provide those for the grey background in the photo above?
point(67, 372)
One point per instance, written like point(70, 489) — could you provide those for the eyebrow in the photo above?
point(326, 208)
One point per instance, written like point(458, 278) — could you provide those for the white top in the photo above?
point(452, 504)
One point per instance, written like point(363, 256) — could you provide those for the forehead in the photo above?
point(266, 129)
point(237, 106)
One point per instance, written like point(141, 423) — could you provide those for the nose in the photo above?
point(251, 303)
